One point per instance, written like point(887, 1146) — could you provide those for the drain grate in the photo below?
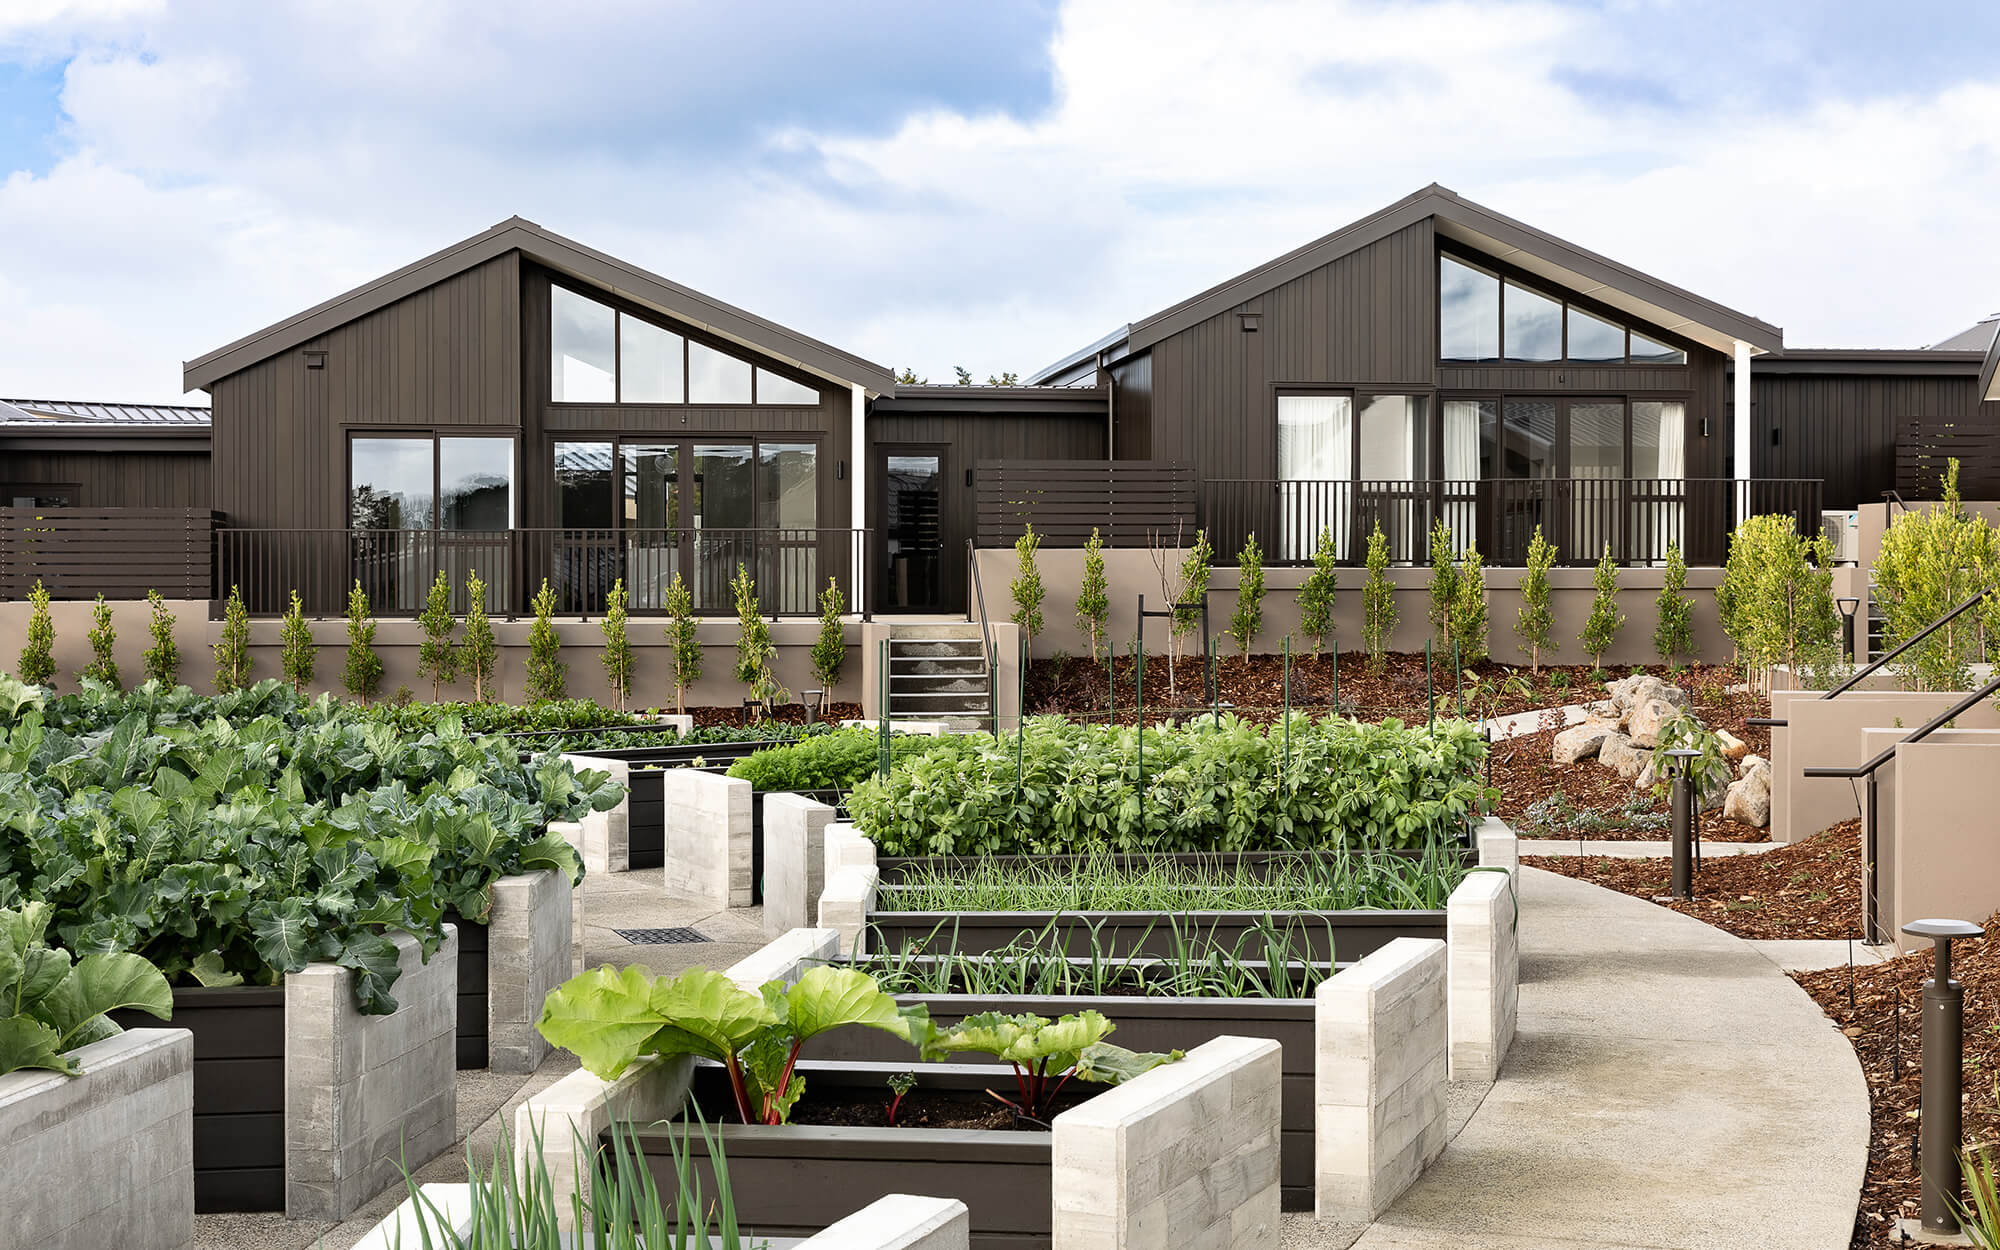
point(660, 937)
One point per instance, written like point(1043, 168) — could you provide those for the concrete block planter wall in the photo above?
point(794, 860)
point(846, 903)
point(530, 935)
point(557, 1130)
point(367, 1095)
point(1497, 845)
point(105, 1158)
point(1482, 923)
point(784, 958)
point(709, 852)
point(1381, 1073)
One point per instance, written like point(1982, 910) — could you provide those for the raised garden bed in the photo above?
point(895, 869)
point(239, 1093)
point(793, 1180)
point(1149, 1023)
point(474, 945)
point(1318, 936)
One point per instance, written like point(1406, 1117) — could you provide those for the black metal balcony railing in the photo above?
point(396, 568)
point(1637, 518)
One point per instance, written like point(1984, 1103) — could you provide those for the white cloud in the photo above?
point(225, 174)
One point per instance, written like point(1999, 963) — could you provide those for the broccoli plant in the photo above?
point(49, 1006)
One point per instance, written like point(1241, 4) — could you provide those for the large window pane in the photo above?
point(476, 484)
point(1468, 312)
point(652, 522)
point(1646, 352)
point(1533, 325)
point(1316, 463)
point(773, 388)
point(788, 502)
point(1393, 442)
point(1659, 439)
point(724, 506)
point(1597, 440)
point(583, 485)
point(649, 363)
point(1594, 338)
point(1529, 450)
point(716, 378)
point(581, 357)
point(391, 484)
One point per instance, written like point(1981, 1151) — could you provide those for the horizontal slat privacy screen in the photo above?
point(1129, 502)
point(1925, 446)
point(122, 553)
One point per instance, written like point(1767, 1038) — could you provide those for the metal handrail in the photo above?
point(1905, 645)
point(986, 634)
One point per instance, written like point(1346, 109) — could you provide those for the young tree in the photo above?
point(548, 675)
point(1027, 586)
point(1093, 596)
point(1673, 637)
point(1468, 611)
point(1536, 623)
point(232, 648)
point(1732, 596)
point(829, 650)
point(1316, 594)
point(683, 640)
point(1249, 619)
point(37, 665)
point(478, 651)
point(1194, 590)
point(1600, 629)
point(754, 648)
point(1932, 559)
point(1378, 602)
point(102, 667)
point(297, 656)
point(1444, 583)
point(163, 659)
point(1792, 617)
point(363, 672)
point(618, 658)
point(436, 657)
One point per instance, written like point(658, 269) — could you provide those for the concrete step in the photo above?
point(899, 685)
point(953, 650)
point(946, 629)
point(937, 664)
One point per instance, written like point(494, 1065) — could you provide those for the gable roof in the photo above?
point(1974, 338)
point(565, 256)
point(1492, 234)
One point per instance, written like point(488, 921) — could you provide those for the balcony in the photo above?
point(397, 567)
point(1637, 518)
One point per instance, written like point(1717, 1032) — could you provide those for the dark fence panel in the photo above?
point(1925, 446)
point(1129, 502)
point(1637, 519)
point(121, 553)
point(396, 568)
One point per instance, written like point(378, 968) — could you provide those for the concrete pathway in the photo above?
point(1669, 1087)
point(1521, 724)
point(1647, 849)
point(1814, 954)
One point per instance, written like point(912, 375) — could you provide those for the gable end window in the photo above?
point(1483, 319)
point(599, 355)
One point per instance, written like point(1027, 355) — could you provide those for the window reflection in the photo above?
point(391, 482)
point(1468, 312)
point(476, 484)
point(582, 364)
point(1646, 352)
point(715, 378)
point(774, 388)
point(649, 363)
point(1533, 325)
point(1593, 338)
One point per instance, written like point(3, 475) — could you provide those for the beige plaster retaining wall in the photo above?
point(396, 642)
point(1828, 733)
point(1130, 573)
point(106, 1158)
point(1934, 832)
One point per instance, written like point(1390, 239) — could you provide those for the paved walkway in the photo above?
point(1669, 1087)
point(1636, 850)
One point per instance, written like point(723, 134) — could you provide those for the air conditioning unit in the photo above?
point(1843, 530)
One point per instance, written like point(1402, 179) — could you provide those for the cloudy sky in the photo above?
point(990, 184)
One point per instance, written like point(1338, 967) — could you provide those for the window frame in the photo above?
point(1565, 300)
point(684, 442)
point(435, 435)
point(687, 334)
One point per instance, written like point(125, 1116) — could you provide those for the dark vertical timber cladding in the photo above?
point(1842, 428)
point(1367, 319)
point(447, 355)
point(969, 439)
point(1132, 408)
point(472, 1031)
point(114, 479)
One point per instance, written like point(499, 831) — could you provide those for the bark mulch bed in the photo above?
point(1598, 805)
point(1255, 685)
point(1810, 889)
point(1879, 1008)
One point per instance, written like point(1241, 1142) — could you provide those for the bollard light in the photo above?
point(1848, 605)
point(1679, 759)
point(815, 703)
point(1940, 1129)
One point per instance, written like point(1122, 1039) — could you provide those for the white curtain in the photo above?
point(1316, 463)
point(1670, 519)
point(1461, 466)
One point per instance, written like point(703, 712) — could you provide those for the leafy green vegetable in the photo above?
point(1211, 785)
point(834, 761)
point(49, 1006)
point(234, 839)
point(609, 1017)
point(1044, 1053)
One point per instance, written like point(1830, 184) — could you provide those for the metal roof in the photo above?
point(565, 256)
point(1974, 338)
point(86, 412)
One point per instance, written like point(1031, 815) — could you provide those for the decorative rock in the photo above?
point(1647, 718)
point(1749, 799)
point(1580, 742)
point(1622, 756)
point(1647, 777)
point(1749, 762)
point(1733, 747)
point(1636, 690)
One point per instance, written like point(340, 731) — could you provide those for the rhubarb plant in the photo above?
point(612, 1017)
point(1045, 1054)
